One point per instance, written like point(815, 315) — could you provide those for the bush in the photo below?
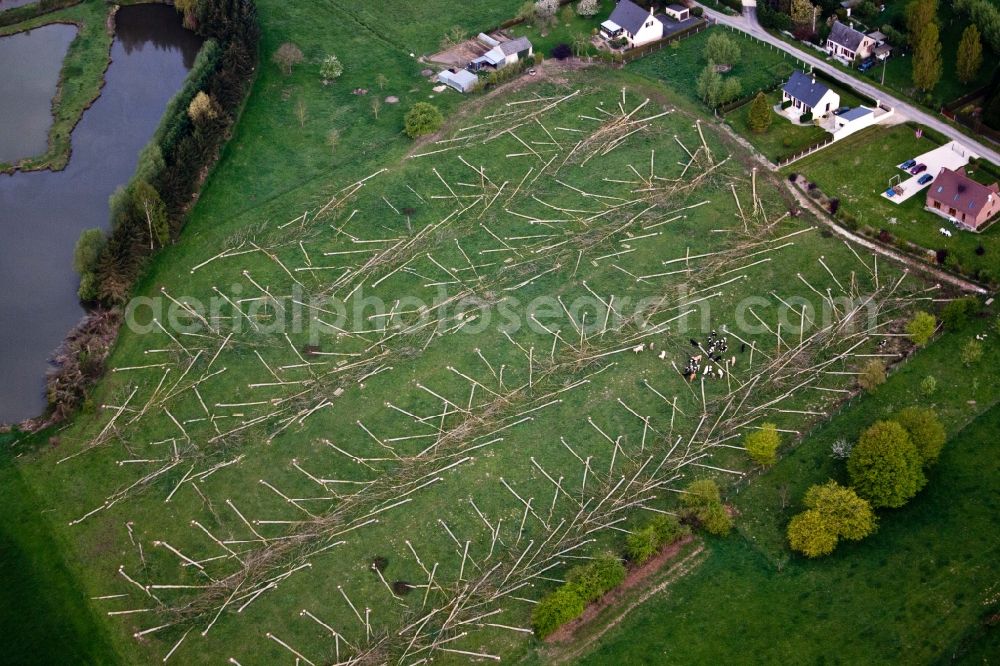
point(960, 311)
point(556, 609)
point(925, 430)
point(593, 580)
point(811, 534)
point(641, 544)
point(561, 51)
point(806, 117)
point(928, 385)
point(872, 375)
point(921, 328)
point(330, 68)
point(972, 352)
point(885, 466)
point(704, 505)
point(85, 256)
point(422, 119)
point(697, 11)
point(668, 529)
point(762, 445)
point(786, 104)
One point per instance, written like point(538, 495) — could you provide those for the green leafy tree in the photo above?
point(972, 352)
point(921, 328)
point(872, 375)
point(86, 254)
point(762, 445)
point(927, 64)
point(556, 609)
point(985, 16)
point(731, 89)
point(919, 15)
point(709, 85)
point(811, 534)
point(926, 431)
point(423, 118)
point(970, 55)
point(849, 516)
point(330, 68)
point(759, 116)
point(722, 50)
point(802, 12)
point(151, 211)
point(885, 466)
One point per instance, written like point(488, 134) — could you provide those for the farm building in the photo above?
point(633, 23)
point(808, 96)
point(846, 43)
point(461, 80)
point(503, 54)
point(961, 199)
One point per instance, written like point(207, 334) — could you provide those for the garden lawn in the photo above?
point(857, 170)
point(544, 38)
point(782, 138)
point(918, 591)
point(760, 66)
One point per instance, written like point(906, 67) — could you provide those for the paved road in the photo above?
point(747, 23)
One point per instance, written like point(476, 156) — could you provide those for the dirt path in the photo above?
point(569, 642)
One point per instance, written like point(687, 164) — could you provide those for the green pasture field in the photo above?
point(921, 590)
point(343, 452)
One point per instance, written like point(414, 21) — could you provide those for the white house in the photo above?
point(632, 22)
point(808, 96)
point(503, 54)
point(846, 43)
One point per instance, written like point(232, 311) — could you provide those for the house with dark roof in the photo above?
point(807, 95)
point(632, 23)
point(846, 43)
point(959, 198)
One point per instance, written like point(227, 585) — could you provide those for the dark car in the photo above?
point(907, 165)
point(843, 109)
point(920, 168)
point(866, 65)
point(924, 179)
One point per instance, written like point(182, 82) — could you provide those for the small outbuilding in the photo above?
point(461, 80)
point(503, 54)
point(677, 12)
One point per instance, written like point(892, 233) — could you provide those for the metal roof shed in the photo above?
point(463, 81)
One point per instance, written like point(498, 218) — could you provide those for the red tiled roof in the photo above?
point(958, 191)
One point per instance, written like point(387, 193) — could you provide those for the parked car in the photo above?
point(866, 65)
point(907, 165)
point(920, 168)
point(924, 179)
point(843, 109)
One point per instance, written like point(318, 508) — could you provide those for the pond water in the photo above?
point(10, 4)
point(43, 213)
point(31, 62)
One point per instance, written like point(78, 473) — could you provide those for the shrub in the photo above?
point(600, 575)
point(872, 375)
point(641, 544)
point(557, 608)
point(704, 505)
point(925, 430)
point(806, 117)
point(928, 385)
point(668, 529)
point(885, 466)
point(562, 51)
point(849, 516)
point(959, 311)
point(810, 533)
point(786, 104)
point(834, 205)
point(697, 11)
point(972, 352)
point(85, 256)
point(921, 328)
point(762, 445)
point(716, 520)
point(423, 118)
point(330, 68)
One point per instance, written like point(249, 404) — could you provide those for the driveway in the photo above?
point(748, 23)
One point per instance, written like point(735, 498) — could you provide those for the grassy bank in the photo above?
point(41, 602)
point(917, 591)
point(80, 79)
